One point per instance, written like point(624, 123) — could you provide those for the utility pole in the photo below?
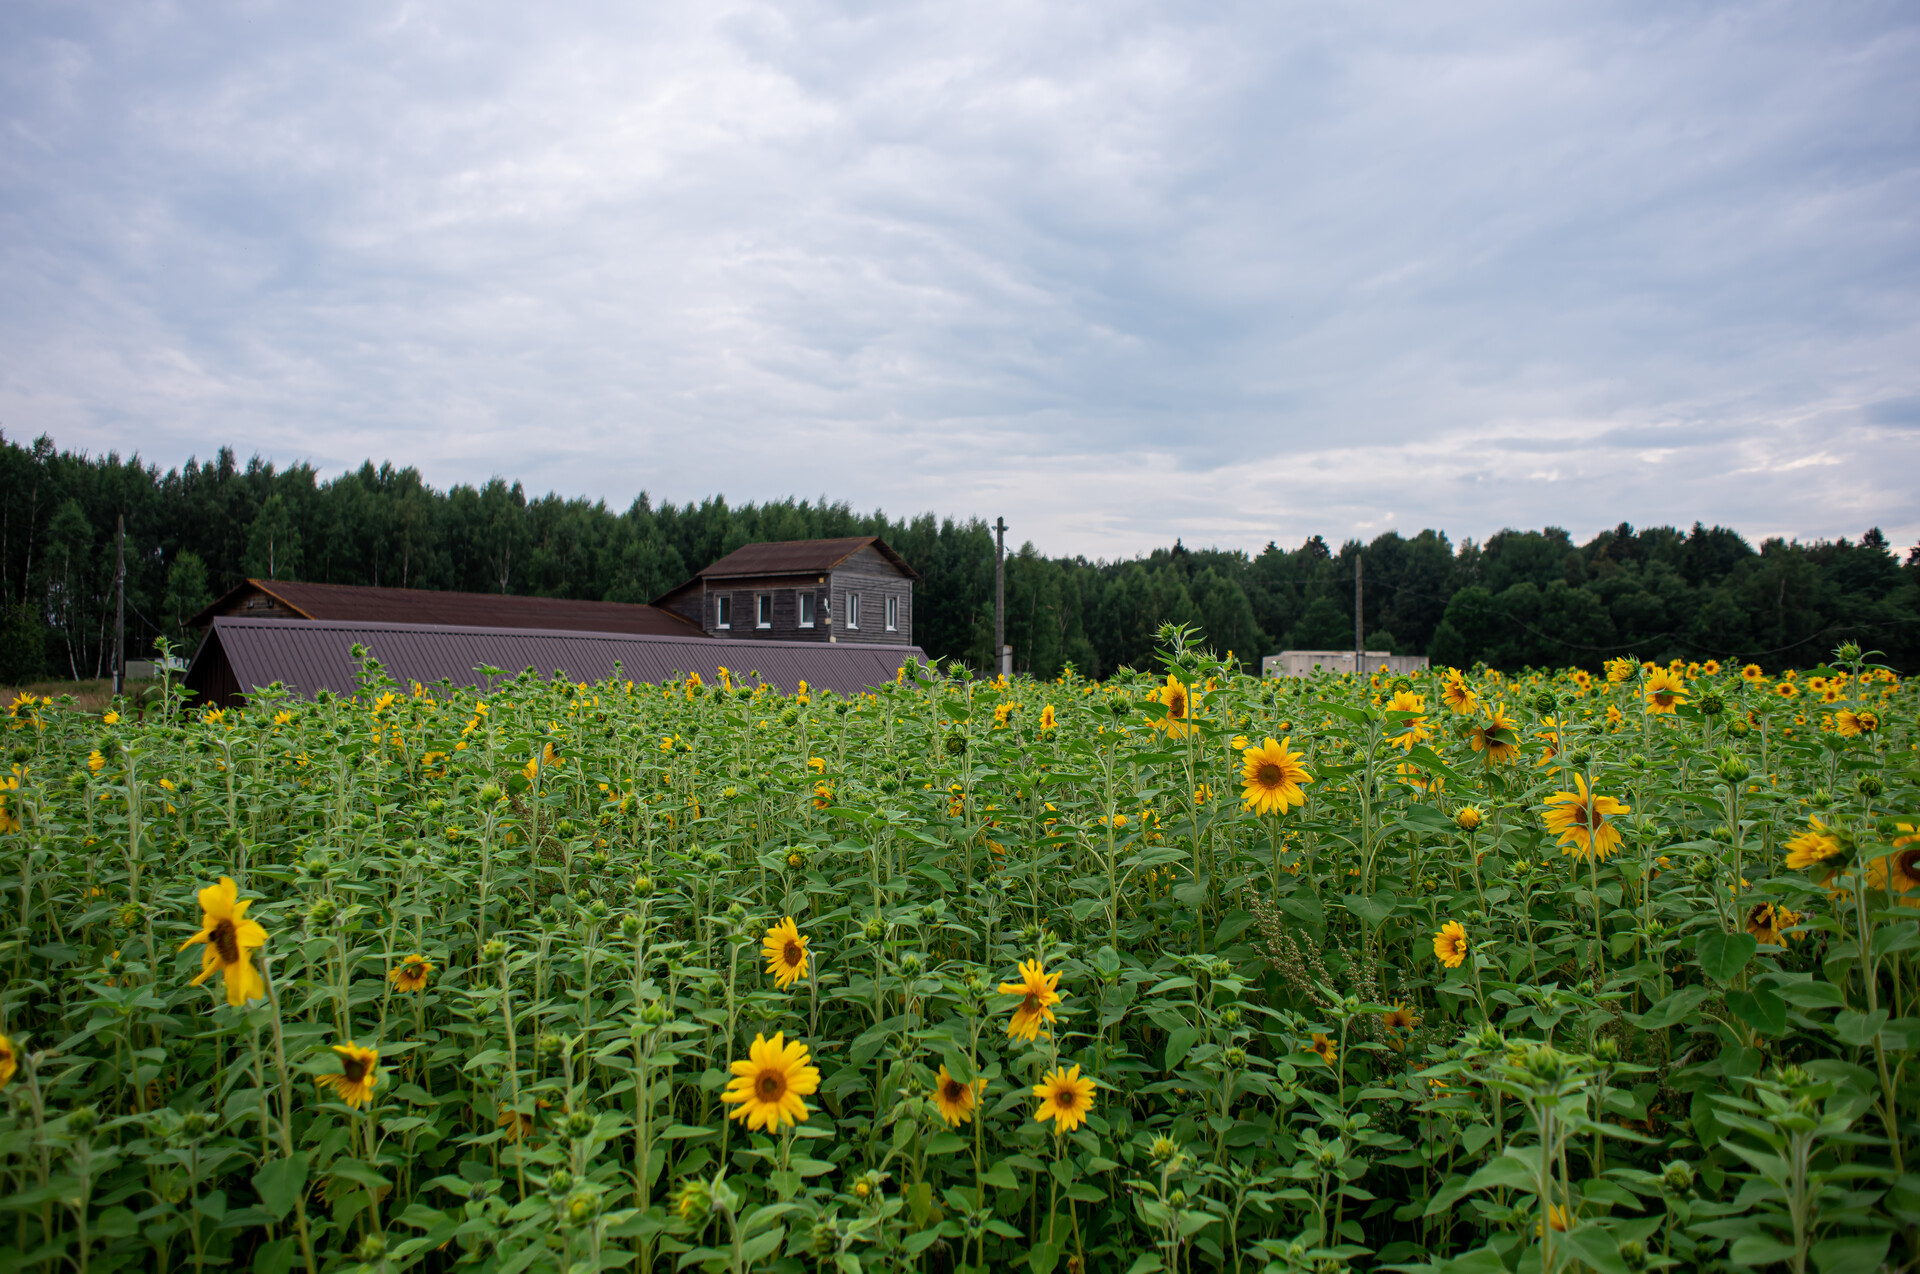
point(120, 611)
point(1359, 620)
point(1002, 653)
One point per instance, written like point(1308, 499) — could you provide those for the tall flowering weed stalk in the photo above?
point(1607, 968)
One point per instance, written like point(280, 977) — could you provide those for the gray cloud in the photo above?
point(1120, 272)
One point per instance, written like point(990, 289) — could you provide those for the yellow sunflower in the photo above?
point(1270, 777)
point(9, 1061)
point(1711, 667)
point(1457, 694)
point(1450, 944)
point(359, 1074)
point(1047, 719)
point(231, 940)
point(786, 953)
point(1065, 1098)
point(1583, 820)
point(412, 974)
point(1399, 1019)
point(1898, 872)
point(1498, 736)
point(1815, 845)
point(1853, 725)
point(1036, 989)
point(955, 1100)
point(1413, 728)
point(1664, 691)
point(1786, 690)
point(1325, 1047)
point(1619, 670)
point(1769, 924)
point(1468, 817)
point(768, 1085)
point(1752, 674)
point(1174, 696)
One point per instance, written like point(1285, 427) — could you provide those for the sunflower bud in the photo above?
point(494, 951)
point(1467, 817)
point(643, 886)
point(82, 1120)
point(1846, 652)
point(194, 1125)
point(956, 744)
point(1712, 705)
point(1739, 728)
point(1870, 785)
point(1544, 702)
point(876, 929)
point(910, 965)
point(490, 793)
point(630, 928)
point(1733, 768)
point(1606, 1050)
point(1178, 1198)
point(655, 1014)
point(1229, 1016)
point(580, 1208)
point(559, 1181)
point(371, 1248)
point(548, 1046)
point(578, 1126)
point(1235, 1057)
point(1676, 1178)
point(1633, 1254)
point(322, 913)
point(1164, 1149)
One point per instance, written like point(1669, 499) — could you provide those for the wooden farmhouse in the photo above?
point(849, 590)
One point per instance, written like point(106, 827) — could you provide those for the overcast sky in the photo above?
point(1116, 271)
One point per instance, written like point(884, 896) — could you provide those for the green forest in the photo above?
point(1518, 599)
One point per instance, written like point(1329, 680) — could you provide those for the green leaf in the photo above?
point(1506, 1170)
point(1760, 1009)
point(1373, 912)
point(1672, 1010)
point(1597, 1248)
point(1722, 955)
point(279, 1183)
point(1754, 1251)
point(1855, 1254)
point(1858, 1029)
point(1812, 995)
point(1179, 1043)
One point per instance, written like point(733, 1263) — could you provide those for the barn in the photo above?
point(305, 655)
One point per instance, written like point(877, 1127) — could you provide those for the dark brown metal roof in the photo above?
point(239, 654)
point(481, 610)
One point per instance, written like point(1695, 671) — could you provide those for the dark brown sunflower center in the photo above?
point(1031, 1004)
point(1760, 916)
point(1066, 1098)
point(354, 1069)
point(1269, 775)
point(770, 1087)
point(226, 942)
point(1178, 706)
point(1906, 863)
point(954, 1091)
point(793, 955)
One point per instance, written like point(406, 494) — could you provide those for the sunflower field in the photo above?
point(1178, 971)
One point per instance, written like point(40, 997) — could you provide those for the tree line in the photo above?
point(1520, 598)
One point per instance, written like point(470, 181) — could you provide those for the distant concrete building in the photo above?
point(1304, 663)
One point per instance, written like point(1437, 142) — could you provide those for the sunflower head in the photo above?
point(1174, 697)
point(786, 953)
point(1324, 1047)
point(359, 1074)
point(1450, 944)
point(1583, 820)
point(1814, 846)
point(955, 1099)
point(412, 974)
point(1065, 1097)
point(1664, 690)
point(9, 1061)
point(1270, 777)
point(1036, 989)
point(769, 1082)
point(231, 939)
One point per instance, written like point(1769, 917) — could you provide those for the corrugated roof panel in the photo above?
point(312, 655)
point(364, 604)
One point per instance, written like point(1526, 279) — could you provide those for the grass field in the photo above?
point(1178, 971)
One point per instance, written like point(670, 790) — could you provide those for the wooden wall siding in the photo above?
point(875, 579)
point(255, 603)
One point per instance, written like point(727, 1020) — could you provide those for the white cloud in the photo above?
point(1119, 272)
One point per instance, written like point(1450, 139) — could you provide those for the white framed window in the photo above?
point(806, 610)
point(725, 611)
point(853, 610)
point(893, 614)
point(763, 611)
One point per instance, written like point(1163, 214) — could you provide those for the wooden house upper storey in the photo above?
point(847, 590)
